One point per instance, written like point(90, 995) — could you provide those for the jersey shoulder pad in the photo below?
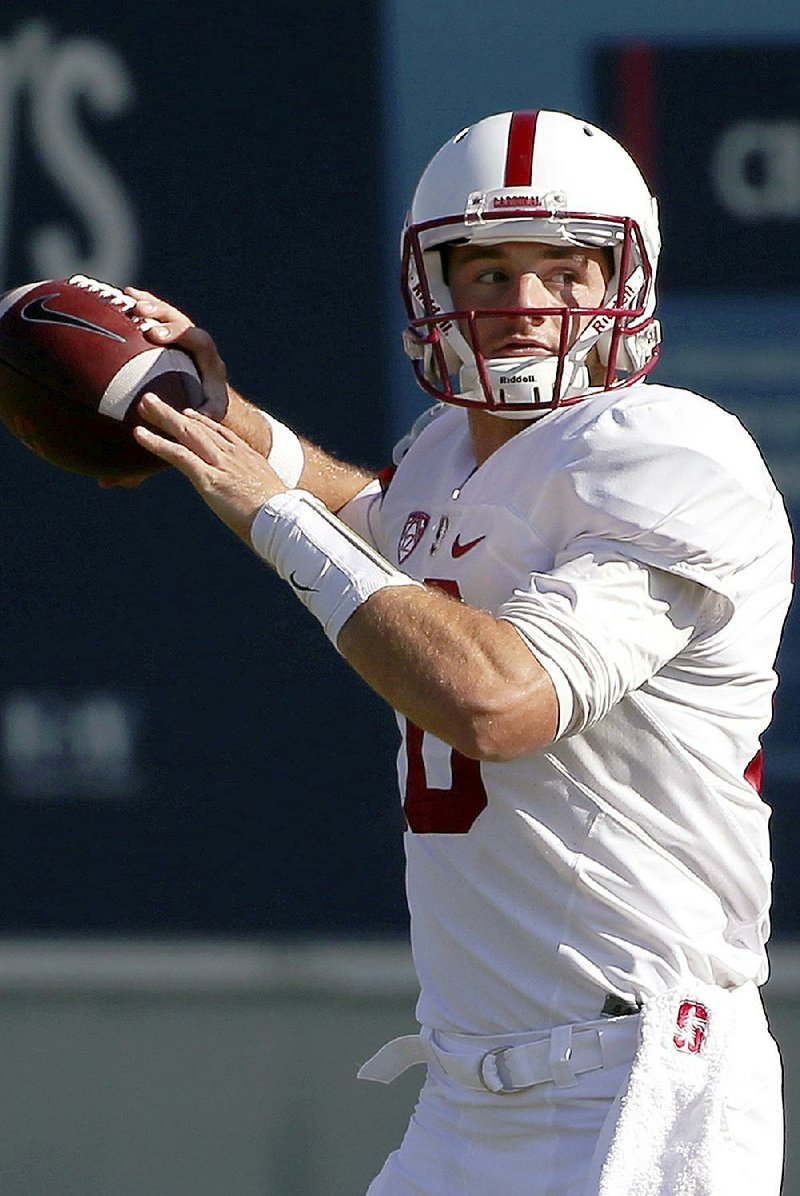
point(674, 481)
point(415, 431)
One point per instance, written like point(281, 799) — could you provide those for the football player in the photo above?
point(571, 590)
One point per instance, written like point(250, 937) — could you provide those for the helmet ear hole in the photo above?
point(608, 262)
point(446, 254)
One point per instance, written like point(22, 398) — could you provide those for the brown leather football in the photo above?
point(74, 363)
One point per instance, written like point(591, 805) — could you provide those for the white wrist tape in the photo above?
point(331, 569)
point(286, 455)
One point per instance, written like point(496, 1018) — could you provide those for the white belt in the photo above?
point(558, 1058)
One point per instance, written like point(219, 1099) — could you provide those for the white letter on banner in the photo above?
point(775, 147)
point(83, 69)
point(59, 77)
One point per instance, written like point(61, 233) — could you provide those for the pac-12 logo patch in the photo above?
point(692, 1024)
point(411, 534)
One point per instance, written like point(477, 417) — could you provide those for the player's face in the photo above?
point(526, 274)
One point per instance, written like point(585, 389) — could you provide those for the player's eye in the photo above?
point(565, 278)
point(493, 276)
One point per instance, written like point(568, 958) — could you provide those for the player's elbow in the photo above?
point(495, 741)
point(488, 743)
point(511, 725)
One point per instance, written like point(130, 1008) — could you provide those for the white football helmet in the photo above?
point(536, 176)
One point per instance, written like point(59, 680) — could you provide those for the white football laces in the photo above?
point(114, 296)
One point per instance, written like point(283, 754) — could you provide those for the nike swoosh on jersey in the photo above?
point(458, 549)
point(36, 312)
point(297, 585)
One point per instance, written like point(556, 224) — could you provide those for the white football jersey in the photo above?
point(637, 542)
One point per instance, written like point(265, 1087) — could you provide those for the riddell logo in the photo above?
point(419, 295)
point(692, 1025)
point(601, 322)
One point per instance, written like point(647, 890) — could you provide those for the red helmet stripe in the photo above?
point(519, 157)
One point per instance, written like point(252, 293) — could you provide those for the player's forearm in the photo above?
point(332, 481)
point(454, 671)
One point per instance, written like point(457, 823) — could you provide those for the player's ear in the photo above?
point(597, 371)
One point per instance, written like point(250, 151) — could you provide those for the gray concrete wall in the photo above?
point(171, 1069)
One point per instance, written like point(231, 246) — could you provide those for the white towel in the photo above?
point(669, 1137)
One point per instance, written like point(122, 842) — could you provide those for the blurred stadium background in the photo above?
point(201, 898)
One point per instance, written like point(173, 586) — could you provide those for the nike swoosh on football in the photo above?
point(36, 313)
point(297, 585)
point(458, 549)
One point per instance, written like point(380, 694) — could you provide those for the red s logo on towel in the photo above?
point(692, 1025)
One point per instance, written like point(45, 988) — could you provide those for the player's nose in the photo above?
point(531, 292)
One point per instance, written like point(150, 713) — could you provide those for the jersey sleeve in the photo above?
point(602, 626)
point(419, 425)
point(678, 485)
point(361, 512)
point(657, 512)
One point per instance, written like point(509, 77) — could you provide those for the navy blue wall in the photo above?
point(180, 748)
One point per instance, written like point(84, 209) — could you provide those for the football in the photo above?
point(74, 363)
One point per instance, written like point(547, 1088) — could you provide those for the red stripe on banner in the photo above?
point(519, 157)
point(637, 98)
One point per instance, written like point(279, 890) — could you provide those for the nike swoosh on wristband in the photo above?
point(458, 549)
point(35, 312)
point(306, 589)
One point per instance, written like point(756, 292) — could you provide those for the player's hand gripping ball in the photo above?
point(74, 363)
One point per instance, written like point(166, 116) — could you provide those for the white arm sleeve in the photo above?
point(602, 626)
point(286, 456)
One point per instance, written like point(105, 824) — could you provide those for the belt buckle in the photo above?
point(493, 1081)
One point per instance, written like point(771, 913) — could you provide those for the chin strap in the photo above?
point(522, 388)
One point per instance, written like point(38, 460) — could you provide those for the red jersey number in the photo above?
point(450, 811)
